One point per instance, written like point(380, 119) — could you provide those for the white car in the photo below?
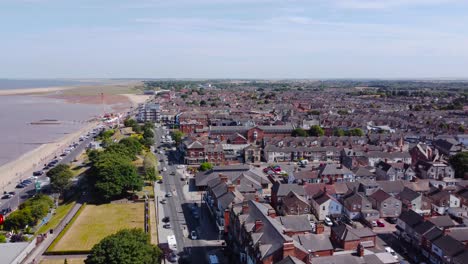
point(328, 221)
point(391, 251)
point(193, 235)
point(164, 169)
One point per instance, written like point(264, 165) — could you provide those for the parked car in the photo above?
point(167, 226)
point(163, 201)
point(166, 219)
point(392, 220)
point(12, 193)
point(20, 186)
point(380, 223)
point(169, 194)
point(328, 221)
point(391, 251)
point(374, 223)
point(172, 257)
point(38, 173)
point(193, 235)
point(7, 196)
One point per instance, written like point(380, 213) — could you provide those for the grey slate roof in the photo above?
point(449, 245)
point(314, 242)
point(295, 223)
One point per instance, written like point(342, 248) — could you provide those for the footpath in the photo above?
point(35, 256)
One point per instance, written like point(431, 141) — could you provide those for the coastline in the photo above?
point(22, 167)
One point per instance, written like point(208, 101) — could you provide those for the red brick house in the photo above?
point(348, 238)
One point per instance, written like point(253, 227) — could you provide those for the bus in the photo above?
point(171, 241)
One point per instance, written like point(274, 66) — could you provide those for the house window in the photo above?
point(306, 210)
point(384, 205)
point(323, 207)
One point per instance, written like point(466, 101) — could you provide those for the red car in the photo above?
point(380, 223)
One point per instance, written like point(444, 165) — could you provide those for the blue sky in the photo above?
point(234, 38)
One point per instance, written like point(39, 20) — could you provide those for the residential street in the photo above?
point(180, 209)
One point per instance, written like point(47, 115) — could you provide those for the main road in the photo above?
point(181, 205)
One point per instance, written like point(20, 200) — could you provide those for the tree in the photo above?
point(357, 132)
point(316, 131)
point(114, 175)
point(128, 246)
point(129, 122)
point(299, 132)
point(460, 163)
point(338, 132)
point(60, 180)
point(343, 112)
point(206, 166)
point(65, 261)
point(177, 135)
point(132, 144)
point(313, 112)
point(148, 133)
point(203, 103)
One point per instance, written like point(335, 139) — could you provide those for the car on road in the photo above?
point(5, 211)
point(7, 196)
point(169, 194)
point(193, 235)
point(392, 252)
point(20, 186)
point(195, 214)
point(380, 223)
point(172, 257)
point(172, 173)
point(163, 201)
point(12, 193)
point(164, 169)
point(167, 225)
point(328, 221)
point(26, 182)
point(38, 173)
point(166, 219)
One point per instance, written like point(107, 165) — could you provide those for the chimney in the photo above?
point(256, 198)
point(319, 228)
point(272, 213)
point(360, 250)
point(288, 249)
point(258, 225)
point(245, 208)
point(227, 217)
point(324, 189)
point(231, 188)
point(223, 178)
point(446, 231)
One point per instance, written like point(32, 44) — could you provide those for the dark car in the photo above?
point(20, 186)
point(38, 173)
point(391, 220)
point(166, 219)
point(7, 196)
point(12, 193)
point(26, 182)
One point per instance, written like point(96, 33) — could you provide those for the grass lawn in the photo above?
point(60, 213)
point(98, 221)
point(60, 261)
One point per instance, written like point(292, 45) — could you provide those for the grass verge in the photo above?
point(59, 215)
point(64, 231)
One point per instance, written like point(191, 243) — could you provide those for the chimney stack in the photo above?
point(272, 213)
point(258, 225)
point(256, 198)
point(245, 208)
point(360, 250)
point(288, 249)
point(319, 228)
point(231, 188)
point(223, 178)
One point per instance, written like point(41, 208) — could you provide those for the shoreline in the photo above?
point(23, 166)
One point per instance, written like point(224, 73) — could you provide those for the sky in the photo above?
point(315, 39)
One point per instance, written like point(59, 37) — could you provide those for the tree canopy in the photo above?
point(316, 131)
point(29, 212)
point(60, 178)
point(177, 135)
point(128, 246)
point(206, 166)
point(460, 163)
point(299, 132)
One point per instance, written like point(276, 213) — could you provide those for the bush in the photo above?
point(3, 238)
point(206, 166)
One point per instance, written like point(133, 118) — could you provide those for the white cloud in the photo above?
point(386, 4)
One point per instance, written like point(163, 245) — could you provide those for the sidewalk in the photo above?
point(36, 254)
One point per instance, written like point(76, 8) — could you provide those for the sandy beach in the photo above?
point(22, 167)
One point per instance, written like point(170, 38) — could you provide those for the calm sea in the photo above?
point(18, 135)
point(41, 83)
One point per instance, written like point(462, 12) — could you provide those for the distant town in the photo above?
point(259, 172)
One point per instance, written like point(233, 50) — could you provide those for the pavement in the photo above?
point(24, 193)
point(36, 255)
point(179, 209)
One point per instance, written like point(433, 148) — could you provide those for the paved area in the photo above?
point(36, 254)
